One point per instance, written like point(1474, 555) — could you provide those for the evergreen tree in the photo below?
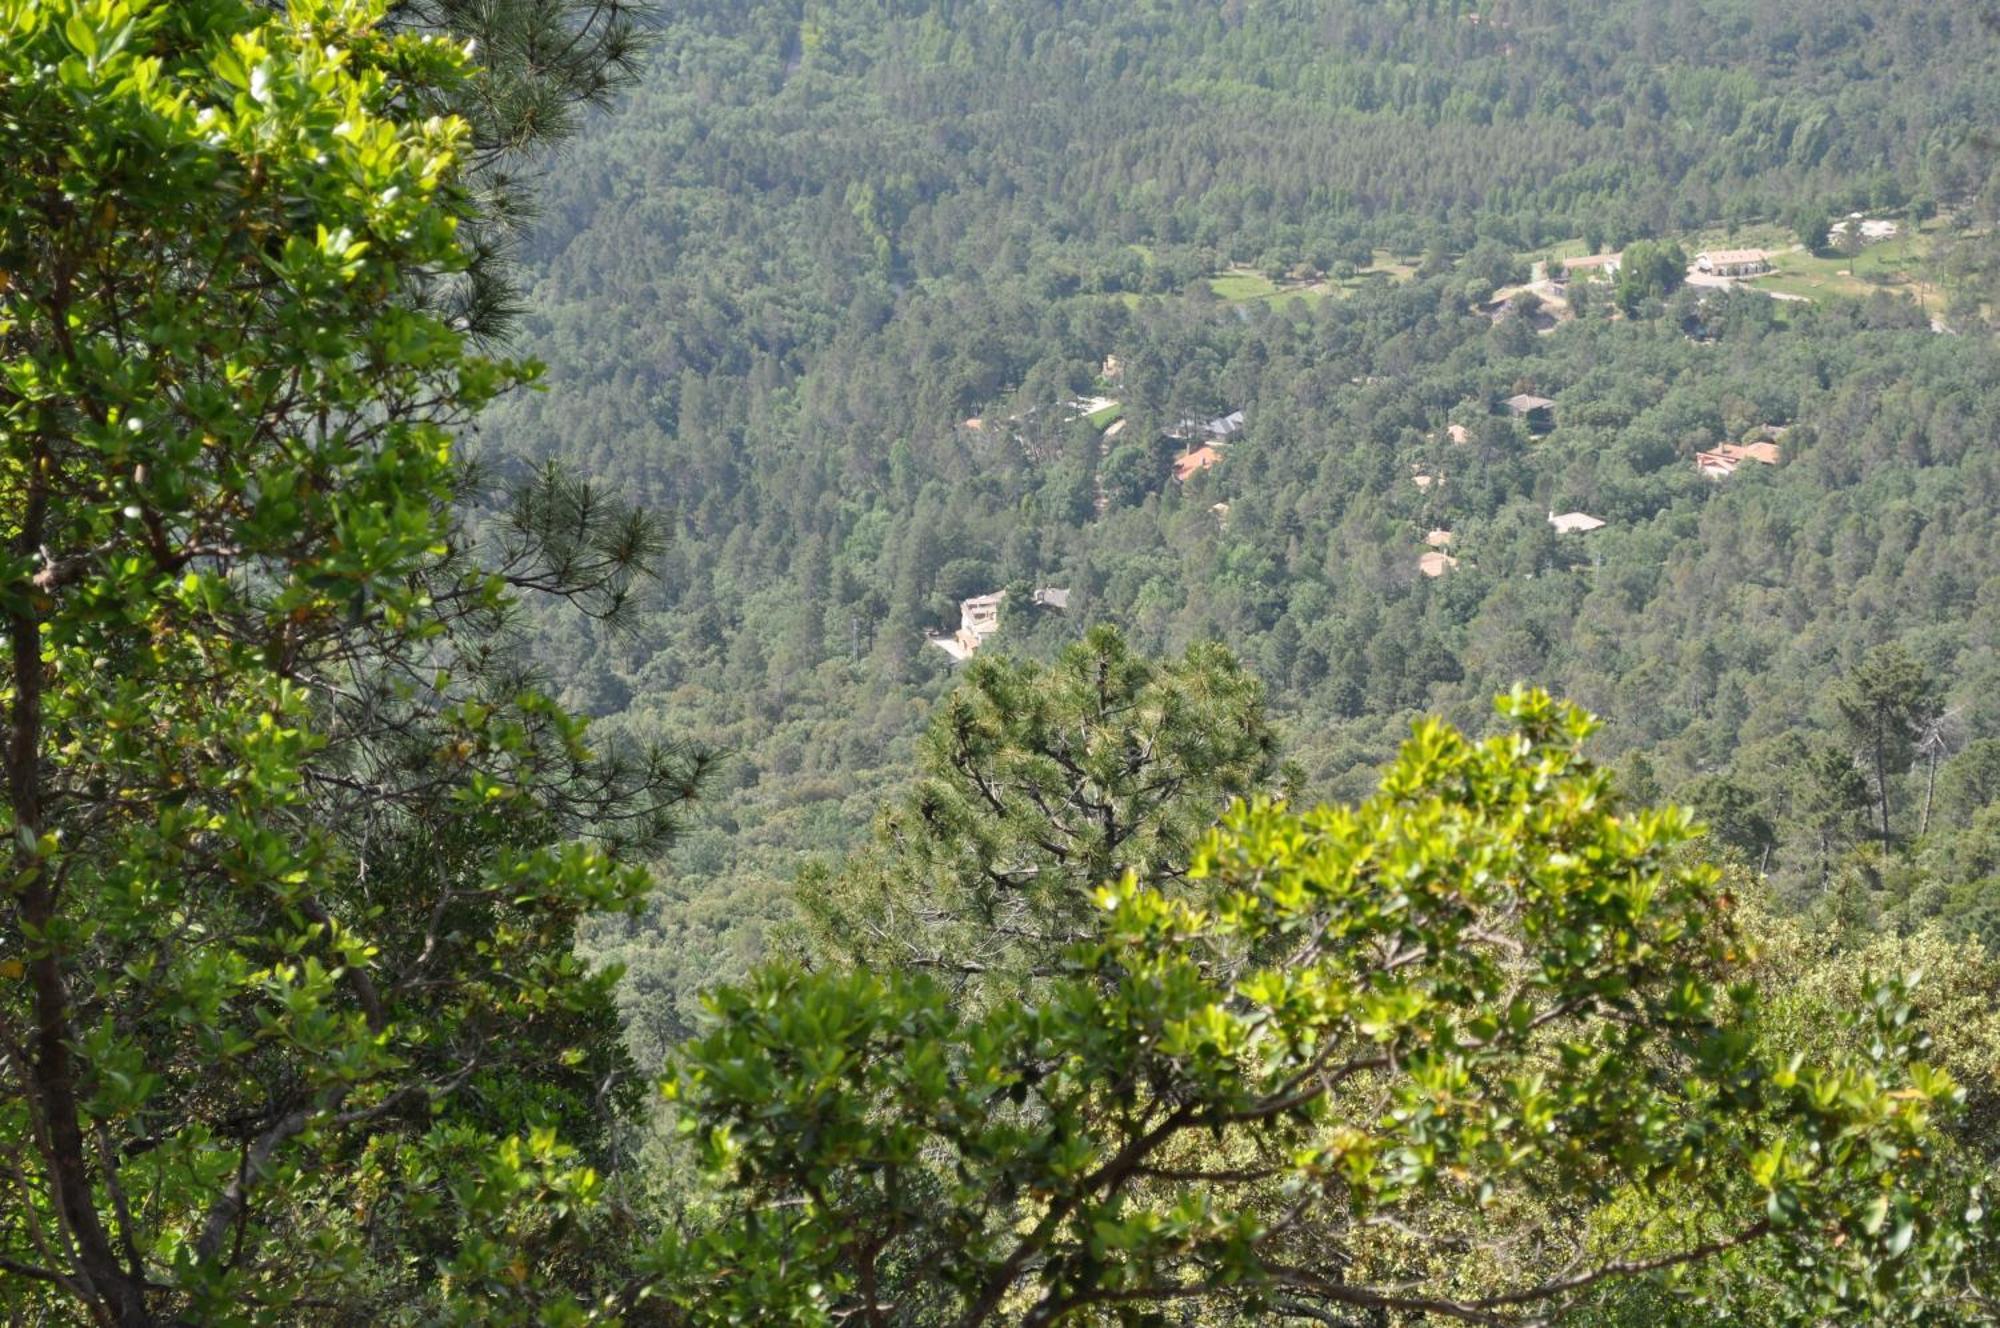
point(1037, 784)
point(1810, 223)
point(1884, 704)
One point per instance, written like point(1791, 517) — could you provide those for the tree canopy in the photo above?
point(1417, 1056)
point(1038, 785)
point(289, 1012)
point(1291, 378)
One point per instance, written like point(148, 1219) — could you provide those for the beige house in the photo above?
point(1733, 262)
point(979, 619)
point(1575, 523)
point(1435, 564)
point(1597, 265)
point(1723, 461)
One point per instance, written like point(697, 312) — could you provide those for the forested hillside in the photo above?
point(1157, 663)
point(822, 241)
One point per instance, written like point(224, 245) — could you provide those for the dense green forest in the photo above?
point(923, 664)
point(818, 240)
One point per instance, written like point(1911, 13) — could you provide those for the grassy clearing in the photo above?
point(1561, 249)
point(1388, 265)
point(1241, 284)
point(1311, 294)
point(1245, 286)
point(1100, 419)
point(1894, 265)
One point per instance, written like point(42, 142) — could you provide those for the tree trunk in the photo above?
point(117, 1294)
point(1930, 791)
point(1882, 778)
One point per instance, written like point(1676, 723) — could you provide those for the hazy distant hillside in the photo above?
point(822, 237)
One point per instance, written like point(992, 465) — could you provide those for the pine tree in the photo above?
point(1884, 704)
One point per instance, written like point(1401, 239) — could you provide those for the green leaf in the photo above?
point(81, 36)
point(1899, 1241)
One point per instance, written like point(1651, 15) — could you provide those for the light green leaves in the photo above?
point(1490, 994)
point(227, 470)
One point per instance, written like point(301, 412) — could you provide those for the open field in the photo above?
point(1242, 285)
point(1895, 266)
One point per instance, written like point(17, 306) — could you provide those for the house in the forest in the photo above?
point(1190, 464)
point(1436, 563)
point(1721, 463)
point(1575, 523)
point(979, 619)
point(1733, 262)
point(1538, 412)
point(1218, 430)
point(1595, 266)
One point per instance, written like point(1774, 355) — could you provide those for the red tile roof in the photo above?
point(1193, 463)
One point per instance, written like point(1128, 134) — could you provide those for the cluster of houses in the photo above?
point(1719, 263)
point(1202, 443)
point(1711, 267)
point(1037, 432)
point(1537, 412)
point(1437, 559)
point(1719, 464)
point(979, 619)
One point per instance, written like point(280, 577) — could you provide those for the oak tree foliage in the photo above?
point(1418, 1057)
point(291, 1025)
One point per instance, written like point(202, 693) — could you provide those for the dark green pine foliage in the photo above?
point(1037, 784)
point(541, 66)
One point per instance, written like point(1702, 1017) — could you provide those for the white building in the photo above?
point(1575, 523)
point(1733, 263)
point(979, 619)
